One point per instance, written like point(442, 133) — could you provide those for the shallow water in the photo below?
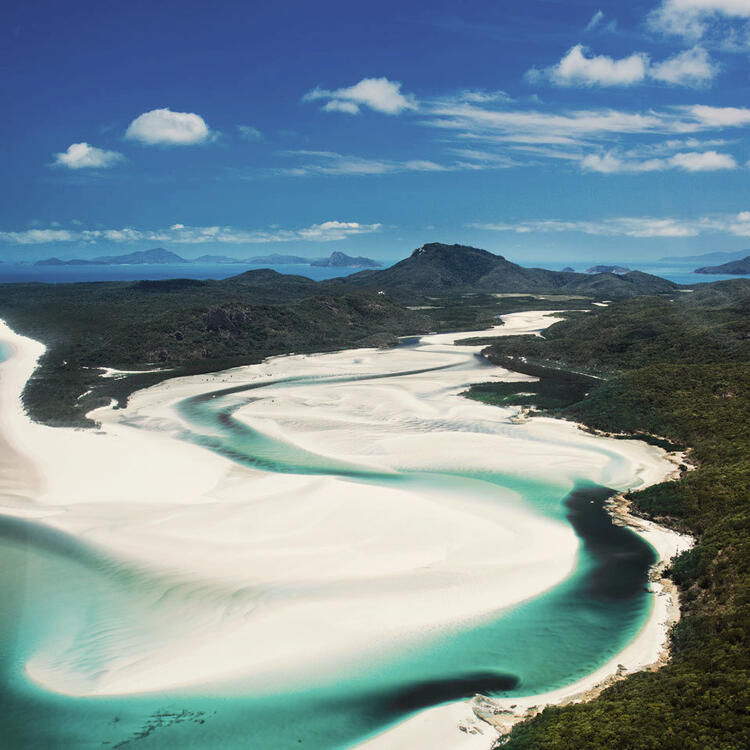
point(64, 598)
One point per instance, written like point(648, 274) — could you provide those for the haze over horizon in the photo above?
point(542, 131)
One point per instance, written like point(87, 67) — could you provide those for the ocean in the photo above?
point(17, 272)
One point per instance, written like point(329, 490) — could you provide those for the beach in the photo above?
point(348, 550)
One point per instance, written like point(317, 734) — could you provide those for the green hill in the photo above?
point(739, 267)
point(437, 269)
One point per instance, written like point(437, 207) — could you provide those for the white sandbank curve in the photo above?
point(316, 571)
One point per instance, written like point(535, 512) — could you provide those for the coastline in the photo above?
point(482, 722)
point(216, 479)
point(647, 652)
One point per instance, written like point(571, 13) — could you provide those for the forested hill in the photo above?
point(436, 269)
point(681, 370)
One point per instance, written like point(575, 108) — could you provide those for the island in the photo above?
point(157, 255)
point(342, 260)
point(715, 257)
point(735, 267)
point(160, 256)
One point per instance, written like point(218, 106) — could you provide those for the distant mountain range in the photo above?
point(719, 257)
point(160, 256)
point(737, 267)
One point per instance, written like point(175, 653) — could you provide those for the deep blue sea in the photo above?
point(12, 272)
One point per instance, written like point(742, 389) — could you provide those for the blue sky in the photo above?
point(542, 130)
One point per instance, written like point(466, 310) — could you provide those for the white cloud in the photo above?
point(692, 161)
point(327, 231)
point(84, 156)
point(166, 128)
point(693, 67)
point(333, 163)
point(596, 19)
point(693, 19)
point(706, 161)
point(719, 117)
point(38, 236)
point(336, 230)
point(378, 94)
point(338, 105)
point(633, 226)
point(573, 133)
point(575, 69)
point(624, 226)
point(610, 163)
point(249, 133)
point(543, 127)
point(483, 97)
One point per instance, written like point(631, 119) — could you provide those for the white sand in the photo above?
point(315, 572)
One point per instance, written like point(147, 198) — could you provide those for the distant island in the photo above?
point(568, 269)
point(718, 257)
point(606, 269)
point(160, 256)
point(278, 260)
point(736, 267)
point(139, 257)
point(342, 260)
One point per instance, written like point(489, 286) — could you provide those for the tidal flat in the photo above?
point(338, 536)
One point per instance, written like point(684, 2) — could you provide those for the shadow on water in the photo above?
point(620, 559)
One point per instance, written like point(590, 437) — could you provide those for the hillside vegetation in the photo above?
point(435, 269)
point(680, 370)
point(185, 326)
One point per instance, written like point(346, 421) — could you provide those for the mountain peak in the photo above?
point(439, 248)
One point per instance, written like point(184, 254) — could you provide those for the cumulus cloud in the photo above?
point(378, 94)
point(693, 67)
point(691, 161)
point(693, 19)
point(327, 231)
point(576, 69)
point(162, 127)
point(336, 230)
point(84, 156)
point(705, 161)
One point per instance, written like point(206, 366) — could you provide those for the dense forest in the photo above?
point(680, 370)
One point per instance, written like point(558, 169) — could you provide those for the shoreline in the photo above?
point(647, 652)
point(472, 729)
point(481, 716)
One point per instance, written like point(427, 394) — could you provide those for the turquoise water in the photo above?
point(60, 593)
